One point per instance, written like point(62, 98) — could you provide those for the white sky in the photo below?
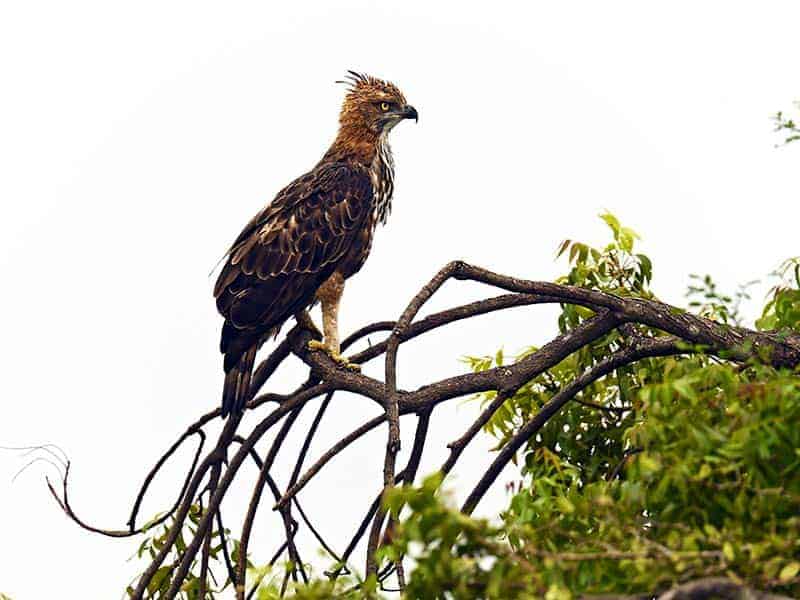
point(137, 139)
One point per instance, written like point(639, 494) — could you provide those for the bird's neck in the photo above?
point(382, 174)
point(357, 144)
point(372, 152)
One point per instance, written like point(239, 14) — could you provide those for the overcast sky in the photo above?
point(137, 139)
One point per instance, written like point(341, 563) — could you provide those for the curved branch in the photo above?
point(255, 499)
point(707, 588)
point(132, 530)
point(734, 343)
point(216, 498)
point(325, 458)
point(644, 349)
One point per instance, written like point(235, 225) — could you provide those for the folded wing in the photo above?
point(287, 251)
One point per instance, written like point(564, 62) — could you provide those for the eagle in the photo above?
point(314, 235)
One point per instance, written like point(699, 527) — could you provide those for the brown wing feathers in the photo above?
point(280, 259)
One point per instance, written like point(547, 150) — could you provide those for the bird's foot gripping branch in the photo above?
point(623, 371)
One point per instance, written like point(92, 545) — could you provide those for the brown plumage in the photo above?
point(315, 234)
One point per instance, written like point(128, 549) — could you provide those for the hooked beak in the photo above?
point(409, 112)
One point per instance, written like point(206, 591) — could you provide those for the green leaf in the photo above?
point(728, 551)
point(789, 571)
point(612, 222)
point(565, 505)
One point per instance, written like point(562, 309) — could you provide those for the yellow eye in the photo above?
point(384, 106)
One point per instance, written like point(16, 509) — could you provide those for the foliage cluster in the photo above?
point(787, 126)
point(665, 471)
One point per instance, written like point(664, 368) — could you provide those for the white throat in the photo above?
point(382, 175)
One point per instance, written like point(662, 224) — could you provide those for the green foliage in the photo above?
point(710, 485)
point(782, 311)
point(270, 583)
point(707, 301)
point(190, 590)
point(667, 470)
point(615, 268)
point(460, 557)
point(787, 126)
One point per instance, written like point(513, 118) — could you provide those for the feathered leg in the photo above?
point(330, 294)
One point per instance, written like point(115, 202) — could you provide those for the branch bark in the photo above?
point(708, 588)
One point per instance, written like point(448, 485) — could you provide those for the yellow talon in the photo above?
point(350, 366)
point(335, 356)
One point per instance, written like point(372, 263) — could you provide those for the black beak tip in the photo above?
point(411, 113)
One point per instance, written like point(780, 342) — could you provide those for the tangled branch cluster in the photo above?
point(211, 474)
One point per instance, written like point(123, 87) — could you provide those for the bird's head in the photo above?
point(372, 106)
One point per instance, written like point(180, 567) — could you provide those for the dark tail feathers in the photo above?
point(236, 390)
